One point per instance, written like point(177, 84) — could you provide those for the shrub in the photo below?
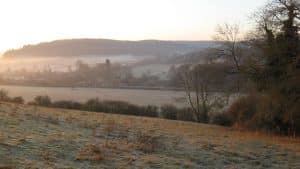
point(292, 119)
point(18, 99)
point(4, 95)
point(93, 105)
point(149, 111)
point(149, 142)
point(272, 112)
point(120, 107)
point(42, 100)
point(168, 112)
point(67, 105)
point(185, 114)
point(269, 114)
point(242, 110)
point(221, 119)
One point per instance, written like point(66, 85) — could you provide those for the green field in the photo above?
point(35, 137)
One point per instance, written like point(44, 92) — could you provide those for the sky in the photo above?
point(33, 21)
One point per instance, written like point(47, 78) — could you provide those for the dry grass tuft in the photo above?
point(111, 126)
point(8, 166)
point(52, 120)
point(87, 124)
point(111, 145)
point(47, 156)
point(148, 142)
point(90, 152)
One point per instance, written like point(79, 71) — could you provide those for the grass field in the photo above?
point(35, 137)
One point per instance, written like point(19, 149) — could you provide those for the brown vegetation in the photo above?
point(90, 152)
point(96, 140)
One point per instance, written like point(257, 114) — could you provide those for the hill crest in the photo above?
point(98, 47)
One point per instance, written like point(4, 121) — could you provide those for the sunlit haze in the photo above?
point(150, 84)
point(32, 21)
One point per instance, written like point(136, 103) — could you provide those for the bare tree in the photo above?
point(229, 36)
point(197, 94)
point(199, 82)
point(276, 35)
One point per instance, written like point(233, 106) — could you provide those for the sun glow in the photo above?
point(33, 21)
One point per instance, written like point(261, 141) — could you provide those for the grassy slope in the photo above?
point(41, 138)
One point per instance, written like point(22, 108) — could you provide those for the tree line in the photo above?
point(166, 111)
point(268, 59)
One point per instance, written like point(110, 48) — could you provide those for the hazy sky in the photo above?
point(33, 21)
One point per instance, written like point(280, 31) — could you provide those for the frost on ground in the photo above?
point(34, 137)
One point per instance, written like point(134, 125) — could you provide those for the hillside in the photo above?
point(98, 47)
point(34, 137)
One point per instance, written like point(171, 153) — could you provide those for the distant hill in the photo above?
point(199, 56)
point(100, 47)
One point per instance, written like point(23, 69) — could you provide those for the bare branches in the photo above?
point(227, 32)
point(230, 38)
point(200, 81)
point(284, 9)
point(196, 92)
point(276, 15)
point(276, 12)
point(188, 89)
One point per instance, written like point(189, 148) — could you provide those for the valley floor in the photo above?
point(35, 137)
